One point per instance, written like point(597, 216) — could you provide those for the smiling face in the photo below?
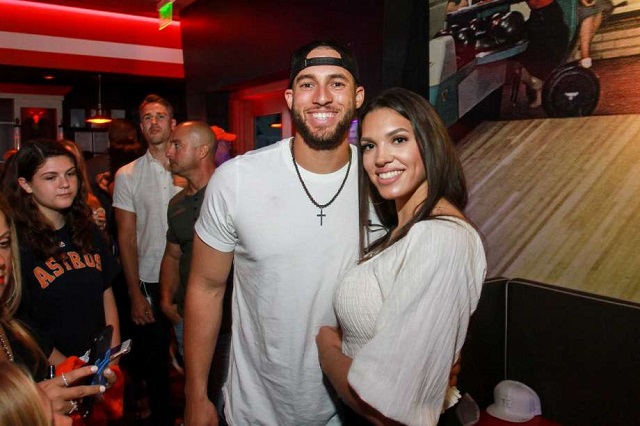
point(53, 186)
point(156, 123)
point(392, 159)
point(323, 101)
point(5, 253)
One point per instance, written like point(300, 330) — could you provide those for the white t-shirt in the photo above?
point(404, 317)
point(144, 187)
point(286, 266)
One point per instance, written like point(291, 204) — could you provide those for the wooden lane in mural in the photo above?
point(558, 200)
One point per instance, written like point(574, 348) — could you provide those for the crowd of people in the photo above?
point(310, 282)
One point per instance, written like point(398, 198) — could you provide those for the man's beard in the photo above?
point(328, 140)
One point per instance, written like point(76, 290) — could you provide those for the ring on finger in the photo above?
point(74, 406)
point(64, 380)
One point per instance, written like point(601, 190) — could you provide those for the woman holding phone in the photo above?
point(404, 309)
point(66, 265)
point(18, 345)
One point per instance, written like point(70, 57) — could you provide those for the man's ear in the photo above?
point(203, 150)
point(359, 96)
point(25, 185)
point(288, 96)
point(173, 124)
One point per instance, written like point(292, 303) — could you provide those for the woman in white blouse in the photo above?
point(404, 310)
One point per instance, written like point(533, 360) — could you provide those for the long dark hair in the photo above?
point(10, 300)
point(441, 163)
point(33, 228)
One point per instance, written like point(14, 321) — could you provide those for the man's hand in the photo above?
point(171, 311)
point(200, 412)
point(103, 180)
point(141, 311)
point(100, 218)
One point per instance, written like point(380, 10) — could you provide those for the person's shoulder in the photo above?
point(258, 156)
point(443, 228)
point(269, 149)
point(252, 161)
point(178, 197)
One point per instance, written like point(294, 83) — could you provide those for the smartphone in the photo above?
point(99, 356)
point(122, 349)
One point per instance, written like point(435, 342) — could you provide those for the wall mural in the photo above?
point(551, 58)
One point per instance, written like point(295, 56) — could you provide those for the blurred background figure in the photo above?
point(7, 160)
point(99, 213)
point(590, 15)
point(225, 149)
point(119, 130)
point(548, 36)
point(124, 147)
point(454, 5)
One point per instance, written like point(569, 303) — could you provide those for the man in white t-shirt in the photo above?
point(287, 215)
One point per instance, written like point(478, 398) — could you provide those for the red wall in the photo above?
point(52, 36)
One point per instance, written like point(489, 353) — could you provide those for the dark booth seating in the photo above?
point(580, 352)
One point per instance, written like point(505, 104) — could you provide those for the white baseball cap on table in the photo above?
point(514, 402)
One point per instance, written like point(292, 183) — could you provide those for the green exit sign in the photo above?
point(165, 13)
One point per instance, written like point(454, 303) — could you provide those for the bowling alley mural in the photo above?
point(536, 55)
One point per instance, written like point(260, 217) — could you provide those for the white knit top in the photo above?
point(404, 316)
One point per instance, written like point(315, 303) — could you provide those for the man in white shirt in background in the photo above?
point(142, 192)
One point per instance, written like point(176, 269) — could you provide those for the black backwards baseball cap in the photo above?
point(347, 60)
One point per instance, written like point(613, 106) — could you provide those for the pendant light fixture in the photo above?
point(100, 117)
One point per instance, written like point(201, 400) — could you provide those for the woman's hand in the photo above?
point(63, 392)
point(110, 377)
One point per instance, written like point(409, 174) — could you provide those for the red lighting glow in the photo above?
point(44, 7)
point(50, 36)
point(36, 115)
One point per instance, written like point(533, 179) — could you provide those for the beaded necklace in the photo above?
point(5, 346)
